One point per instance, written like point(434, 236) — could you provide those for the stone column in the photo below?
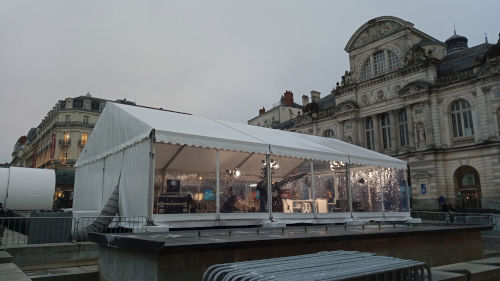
point(393, 118)
point(376, 133)
point(386, 57)
point(485, 117)
point(340, 131)
point(359, 127)
point(432, 126)
point(372, 65)
point(411, 127)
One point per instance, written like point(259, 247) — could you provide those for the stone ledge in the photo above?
point(476, 271)
point(447, 276)
point(83, 273)
point(10, 272)
point(5, 257)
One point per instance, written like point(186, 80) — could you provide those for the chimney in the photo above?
point(262, 111)
point(305, 100)
point(288, 99)
point(315, 96)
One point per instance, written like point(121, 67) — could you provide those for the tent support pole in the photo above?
point(406, 176)
point(269, 187)
point(151, 190)
point(101, 206)
point(349, 189)
point(381, 178)
point(217, 185)
point(313, 186)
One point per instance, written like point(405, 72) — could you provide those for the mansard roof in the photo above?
point(463, 59)
point(326, 102)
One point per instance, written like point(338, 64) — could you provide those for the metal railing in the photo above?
point(335, 265)
point(41, 230)
point(35, 230)
point(453, 218)
point(119, 224)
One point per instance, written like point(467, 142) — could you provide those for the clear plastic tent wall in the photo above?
point(187, 170)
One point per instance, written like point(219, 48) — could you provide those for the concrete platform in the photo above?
point(10, 272)
point(184, 255)
point(80, 273)
point(476, 271)
point(488, 261)
point(490, 253)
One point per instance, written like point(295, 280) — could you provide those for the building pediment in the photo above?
point(413, 88)
point(375, 29)
point(346, 106)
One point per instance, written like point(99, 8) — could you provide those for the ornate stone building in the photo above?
point(435, 105)
point(58, 140)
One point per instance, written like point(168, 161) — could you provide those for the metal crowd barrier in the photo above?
point(453, 218)
point(59, 229)
point(335, 265)
point(119, 224)
point(35, 230)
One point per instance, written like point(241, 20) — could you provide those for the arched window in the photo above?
point(468, 187)
point(370, 139)
point(393, 60)
point(385, 123)
point(461, 119)
point(378, 63)
point(329, 133)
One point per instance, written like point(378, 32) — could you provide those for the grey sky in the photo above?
point(222, 59)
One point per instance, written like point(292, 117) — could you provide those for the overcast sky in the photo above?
point(221, 59)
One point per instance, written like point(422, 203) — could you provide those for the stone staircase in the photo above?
point(9, 271)
point(491, 240)
point(486, 269)
point(49, 262)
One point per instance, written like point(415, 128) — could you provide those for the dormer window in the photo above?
point(378, 63)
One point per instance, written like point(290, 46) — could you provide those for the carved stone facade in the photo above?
point(435, 105)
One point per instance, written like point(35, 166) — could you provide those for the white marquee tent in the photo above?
point(151, 150)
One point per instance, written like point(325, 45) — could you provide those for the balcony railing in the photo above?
point(74, 124)
point(463, 140)
point(82, 142)
point(65, 142)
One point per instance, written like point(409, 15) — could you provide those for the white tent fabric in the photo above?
point(121, 143)
point(131, 124)
point(114, 131)
point(358, 155)
point(288, 144)
point(184, 129)
point(88, 187)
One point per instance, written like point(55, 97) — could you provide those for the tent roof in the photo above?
point(122, 125)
